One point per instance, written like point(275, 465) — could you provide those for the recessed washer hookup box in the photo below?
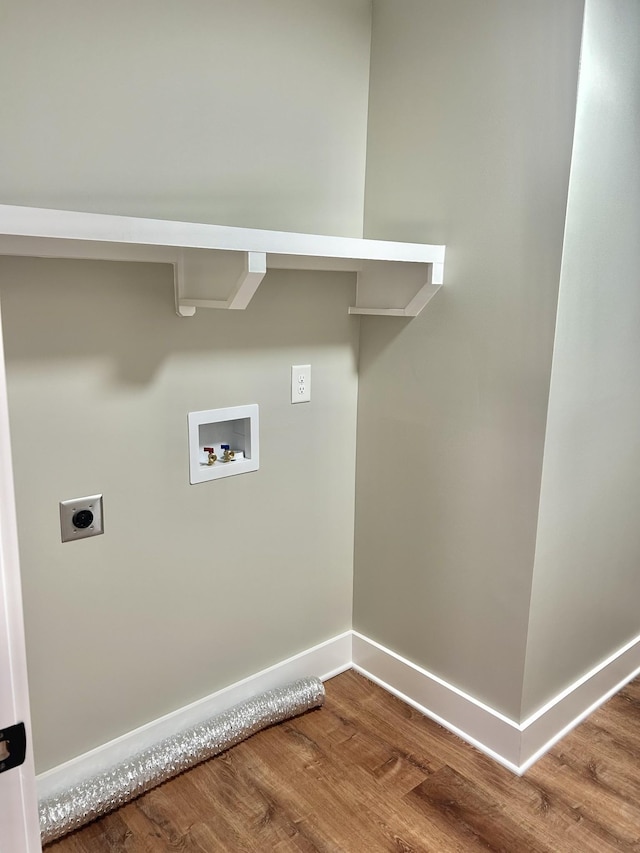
point(223, 442)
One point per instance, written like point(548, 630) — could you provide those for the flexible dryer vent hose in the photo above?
point(71, 809)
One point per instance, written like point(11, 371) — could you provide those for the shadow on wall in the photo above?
point(71, 309)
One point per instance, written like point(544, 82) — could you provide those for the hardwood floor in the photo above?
point(368, 773)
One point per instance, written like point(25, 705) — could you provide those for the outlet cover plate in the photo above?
point(69, 510)
point(300, 383)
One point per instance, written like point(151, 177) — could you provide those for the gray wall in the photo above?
point(252, 114)
point(245, 113)
point(586, 584)
point(191, 587)
point(471, 117)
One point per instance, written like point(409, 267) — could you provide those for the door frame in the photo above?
point(19, 825)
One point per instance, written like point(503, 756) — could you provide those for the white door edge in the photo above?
point(19, 829)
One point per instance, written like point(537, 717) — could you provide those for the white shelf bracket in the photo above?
point(255, 268)
point(427, 291)
point(182, 309)
point(206, 268)
point(392, 289)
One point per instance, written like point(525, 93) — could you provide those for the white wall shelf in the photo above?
point(219, 266)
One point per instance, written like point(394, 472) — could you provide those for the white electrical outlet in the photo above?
point(300, 383)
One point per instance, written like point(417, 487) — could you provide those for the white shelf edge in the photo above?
point(44, 232)
point(379, 312)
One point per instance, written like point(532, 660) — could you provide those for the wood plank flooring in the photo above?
point(368, 773)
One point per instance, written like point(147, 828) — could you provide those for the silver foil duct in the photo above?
point(71, 809)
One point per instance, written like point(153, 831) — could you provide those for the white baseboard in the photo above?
point(517, 746)
point(475, 722)
point(569, 708)
point(514, 745)
point(324, 660)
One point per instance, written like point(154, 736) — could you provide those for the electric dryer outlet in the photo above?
point(81, 518)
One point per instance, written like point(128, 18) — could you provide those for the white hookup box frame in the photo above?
point(236, 426)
